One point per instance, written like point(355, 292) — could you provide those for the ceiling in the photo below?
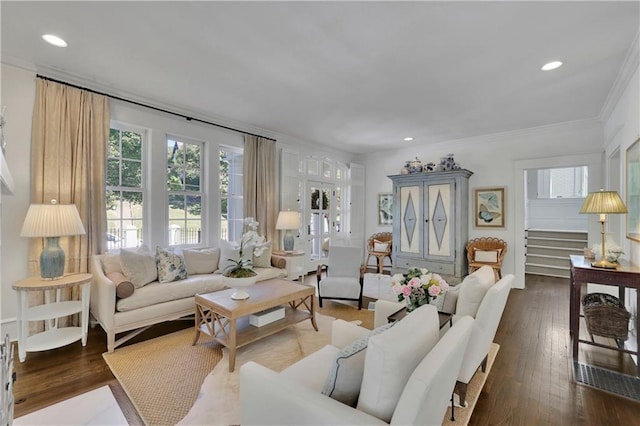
point(359, 76)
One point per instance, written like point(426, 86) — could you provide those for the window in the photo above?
point(231, 214)
point(569, 182)
point(124, 187)
point(185, 192)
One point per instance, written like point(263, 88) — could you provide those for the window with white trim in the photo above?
point(567, 182)
point(125, 187)
point(184, 190)
point(231, 193)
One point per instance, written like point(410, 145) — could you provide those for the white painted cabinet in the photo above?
point(430, 221)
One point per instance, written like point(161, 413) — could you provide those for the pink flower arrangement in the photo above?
point(418, 285)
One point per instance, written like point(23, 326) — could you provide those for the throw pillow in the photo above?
point(379, 246)
point(344, 379)
point(203, 261)
point(139, 266)
point(227, 251)
point(171, 266)
point(472, 291)
point(124, 286)
point(391, 358)
point(446, 302)
point(486, 256)
point(111, 263)
point(264, 260)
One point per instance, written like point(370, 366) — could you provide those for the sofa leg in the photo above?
point(320, 301)
point(461, 390)
point(483, 365)
point(111, 341)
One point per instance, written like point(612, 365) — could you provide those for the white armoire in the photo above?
point(430, 221)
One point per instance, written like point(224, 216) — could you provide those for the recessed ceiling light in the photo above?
point(408, 139)
point(55, 40)
point(551, 66)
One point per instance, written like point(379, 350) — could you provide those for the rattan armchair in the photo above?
point(379, 246)
point(486, 251)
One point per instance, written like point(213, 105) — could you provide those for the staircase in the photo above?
point(548, 251)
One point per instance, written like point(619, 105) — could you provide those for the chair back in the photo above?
point(426, 396)
point(486, 244)
point(383, 238)
point(485, 326)
point(344, 262)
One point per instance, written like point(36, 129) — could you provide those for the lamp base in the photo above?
point(287, 241)
point(52, 260)
point(604, 263)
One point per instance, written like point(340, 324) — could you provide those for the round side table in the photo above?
point(50, 311)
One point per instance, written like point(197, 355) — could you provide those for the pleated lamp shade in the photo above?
point(52, 220)
point(603, 202)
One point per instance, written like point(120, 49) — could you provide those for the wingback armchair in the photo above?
point(343, 275)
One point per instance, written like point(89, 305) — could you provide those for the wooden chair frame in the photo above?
point(486, 243)
point(384, 237)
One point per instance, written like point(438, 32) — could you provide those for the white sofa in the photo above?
point(488, 300)
point(155, 302)
point(408, 378)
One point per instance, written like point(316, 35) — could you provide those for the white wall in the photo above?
point(18, 94)
point(493, 160)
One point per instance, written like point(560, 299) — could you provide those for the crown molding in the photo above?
point(629, 67)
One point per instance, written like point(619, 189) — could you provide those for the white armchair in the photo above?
point(478, 297)
point(344, 276)
point(294, 395)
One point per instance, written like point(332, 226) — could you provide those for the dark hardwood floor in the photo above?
point(531, 382)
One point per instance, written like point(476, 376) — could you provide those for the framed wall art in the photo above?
point(633, 191)
point(385, 209)
point(489, 207)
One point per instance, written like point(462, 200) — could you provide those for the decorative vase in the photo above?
point(239, 285)
point(414, 303)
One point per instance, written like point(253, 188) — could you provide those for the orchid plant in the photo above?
point(241, 267)
point(418, 285)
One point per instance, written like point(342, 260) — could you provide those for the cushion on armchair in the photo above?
point(391, 358)
point(472, 291)
point(345, 378)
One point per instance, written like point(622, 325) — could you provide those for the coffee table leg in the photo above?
point(232, 345)
point(198, 321)
point(313, 314)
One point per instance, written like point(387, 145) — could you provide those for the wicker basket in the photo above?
point(606, 316)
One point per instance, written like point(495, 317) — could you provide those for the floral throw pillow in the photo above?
point(171, 266)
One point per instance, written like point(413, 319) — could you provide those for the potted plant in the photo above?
point(240, 273)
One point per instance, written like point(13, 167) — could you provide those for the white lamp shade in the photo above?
point(288, 220)
point(52, 220)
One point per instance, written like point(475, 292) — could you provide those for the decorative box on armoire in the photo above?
point(430, 221)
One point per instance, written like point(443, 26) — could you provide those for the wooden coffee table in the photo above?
point(227, 320)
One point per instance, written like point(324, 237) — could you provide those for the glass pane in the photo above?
point(194, 206)
point(192, 180)
point(192, 234)
point(132, 174)
point(313, 167)
point(131, 235)
point(337, 223)
point(325, 223)
point(176, 207)
point(114, 143)
point(326, 170)
point(112, 201)
point(113, 172)
point(314, 224)
point(131, 205)
point(315, 198)
point(326, 196)
point(132, 145)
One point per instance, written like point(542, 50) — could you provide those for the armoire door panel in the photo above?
point(410, 241)
point(440, 211)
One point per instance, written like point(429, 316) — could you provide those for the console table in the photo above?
point(581, 273)
point(54, 337)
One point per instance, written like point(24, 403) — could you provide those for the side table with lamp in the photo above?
point(52, 221)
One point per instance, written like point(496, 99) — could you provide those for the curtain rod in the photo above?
point(186, 117)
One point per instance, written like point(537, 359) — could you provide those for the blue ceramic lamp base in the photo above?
point(287, 241)
point(52, 259)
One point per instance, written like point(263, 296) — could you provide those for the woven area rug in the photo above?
point(162, 376)
point(474, 388)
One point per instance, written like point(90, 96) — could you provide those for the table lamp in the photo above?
point(52, 221)
point(603, 203)
point(288, 221)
